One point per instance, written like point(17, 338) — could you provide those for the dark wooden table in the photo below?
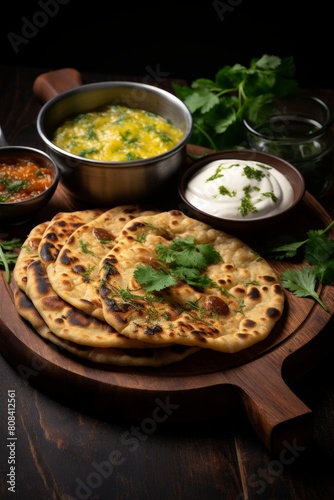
point(63, 451)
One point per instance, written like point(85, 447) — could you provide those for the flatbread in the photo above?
point(67, 322)
point(59, 229)
point(109, 356)
point(64, 320)
point(240, 309)
point(74, 274)
point(28, 253)
point(76, 286)
point(46, 240)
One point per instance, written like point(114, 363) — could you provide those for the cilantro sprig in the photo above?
point(11, 187)
point(302, 283)
point(219, 106)
point(8, 256)
point(318, 249)
point(183, 260)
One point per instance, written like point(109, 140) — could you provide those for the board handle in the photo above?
point(278, 416)
point(50, 84)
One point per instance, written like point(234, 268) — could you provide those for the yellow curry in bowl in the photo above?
point(117, 133)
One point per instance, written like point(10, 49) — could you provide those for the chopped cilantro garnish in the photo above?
point(163, 136)
point(11, 187)
point(270, 194)
point(91, 134)
point(226, 192)
point(132, 156)
point(142, 238)
point(85, 248)
point(253, 173)
point(128, 137)
point(150, 128)
point(216, 175)
point(87, 152)
point(246, 205)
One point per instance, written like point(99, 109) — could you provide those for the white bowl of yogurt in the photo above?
point(240, 189)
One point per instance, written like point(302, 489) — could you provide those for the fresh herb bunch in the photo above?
point(183, 260)
point(218, 107)
point(8, 256)
point(318, 249)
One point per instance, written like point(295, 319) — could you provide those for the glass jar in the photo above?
point(298, 130)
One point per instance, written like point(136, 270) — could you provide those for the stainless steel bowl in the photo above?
point(109, 183)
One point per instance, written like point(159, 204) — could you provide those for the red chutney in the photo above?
point(22, 180)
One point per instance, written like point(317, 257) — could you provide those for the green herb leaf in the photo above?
point(153, 280)
point(319, 254)
point(253, 173)
point(185, 252)
point(87, 152)
point(202, 100)
point(287, 246)
point(325, 272)
point(185, 260)
point(284, 246)
point(246, 205)
point(193, 277)
point(7, 256)
point(302, 283)
point(318, 248)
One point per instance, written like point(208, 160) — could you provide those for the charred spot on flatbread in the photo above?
point(28, 252)
point(60, 228)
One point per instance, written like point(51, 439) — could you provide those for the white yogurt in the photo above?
point(237, 189)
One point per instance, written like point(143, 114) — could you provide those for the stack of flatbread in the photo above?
point(77, 285)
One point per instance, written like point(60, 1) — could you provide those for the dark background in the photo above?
point(178, 39)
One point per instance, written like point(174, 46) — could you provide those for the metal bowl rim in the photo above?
point(117, 84)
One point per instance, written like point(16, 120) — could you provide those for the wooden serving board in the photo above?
point(205, 384)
